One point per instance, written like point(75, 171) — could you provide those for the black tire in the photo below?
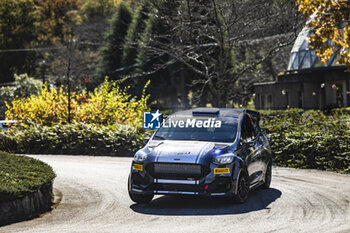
point(268, 177)
point(139, 198)
point(242, 189)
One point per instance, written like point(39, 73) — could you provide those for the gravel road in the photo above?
point(95, 199)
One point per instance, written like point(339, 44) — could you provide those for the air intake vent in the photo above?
point(177, 170)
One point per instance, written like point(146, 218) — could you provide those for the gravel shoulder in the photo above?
point(95, 199)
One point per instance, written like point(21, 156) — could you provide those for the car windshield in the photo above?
point(177, 131)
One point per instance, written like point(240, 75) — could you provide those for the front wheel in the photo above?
point(268, 176)
point(242, 189)
point(139, 198)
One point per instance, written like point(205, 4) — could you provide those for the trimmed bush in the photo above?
point(309, 139)
point(21, 175)
point(75, 138)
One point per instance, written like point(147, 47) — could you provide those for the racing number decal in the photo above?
point(225, 170)
point(138, 167)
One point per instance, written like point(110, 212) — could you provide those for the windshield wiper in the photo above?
point(160, 137)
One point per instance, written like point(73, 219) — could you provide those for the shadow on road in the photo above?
point(192, 205)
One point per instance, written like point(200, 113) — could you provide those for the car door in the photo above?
point(249, 148)
point(265, 149)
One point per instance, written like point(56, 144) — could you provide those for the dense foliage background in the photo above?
point(309, 139)
point(74, 44)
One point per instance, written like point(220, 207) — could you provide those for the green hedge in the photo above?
point(21, 175)
point(305, 139)
point(75, 138)
point(309, 139)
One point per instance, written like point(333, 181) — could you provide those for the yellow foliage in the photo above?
point(106, 105)
point(55, 19)
point(330, 27)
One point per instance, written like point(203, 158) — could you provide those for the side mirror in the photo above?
point(145, 140)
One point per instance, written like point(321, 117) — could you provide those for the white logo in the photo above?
point(155, 116)
point(192, 123)
point(151, 120)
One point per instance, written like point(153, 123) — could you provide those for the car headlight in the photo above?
point(140, 157)
point(223, 159)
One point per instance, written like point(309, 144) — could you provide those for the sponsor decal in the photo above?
point(138, 167)
point(224, 170)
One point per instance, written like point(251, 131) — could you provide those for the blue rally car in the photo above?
point(204, 151)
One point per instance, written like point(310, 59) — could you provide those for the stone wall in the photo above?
point(28, 207)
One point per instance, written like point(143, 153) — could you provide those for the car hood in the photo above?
point(181, 151)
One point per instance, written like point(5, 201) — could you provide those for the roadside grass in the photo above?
point(21, 175)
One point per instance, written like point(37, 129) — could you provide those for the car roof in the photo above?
point(219, 112)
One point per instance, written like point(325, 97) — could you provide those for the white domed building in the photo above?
point(307, 83)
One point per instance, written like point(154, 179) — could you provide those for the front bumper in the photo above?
point(211, 184)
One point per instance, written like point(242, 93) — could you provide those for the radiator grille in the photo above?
point(177, 170)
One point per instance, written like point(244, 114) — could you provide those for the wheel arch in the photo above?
point(240, 168)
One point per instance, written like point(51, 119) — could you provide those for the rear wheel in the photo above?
point(139, 198)
point(242, 189)
point(268, 176)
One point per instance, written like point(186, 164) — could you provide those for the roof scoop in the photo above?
point(205, 112)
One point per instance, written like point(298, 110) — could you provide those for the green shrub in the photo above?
point(309, 139)
point(21, 175)
point(75, 138)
